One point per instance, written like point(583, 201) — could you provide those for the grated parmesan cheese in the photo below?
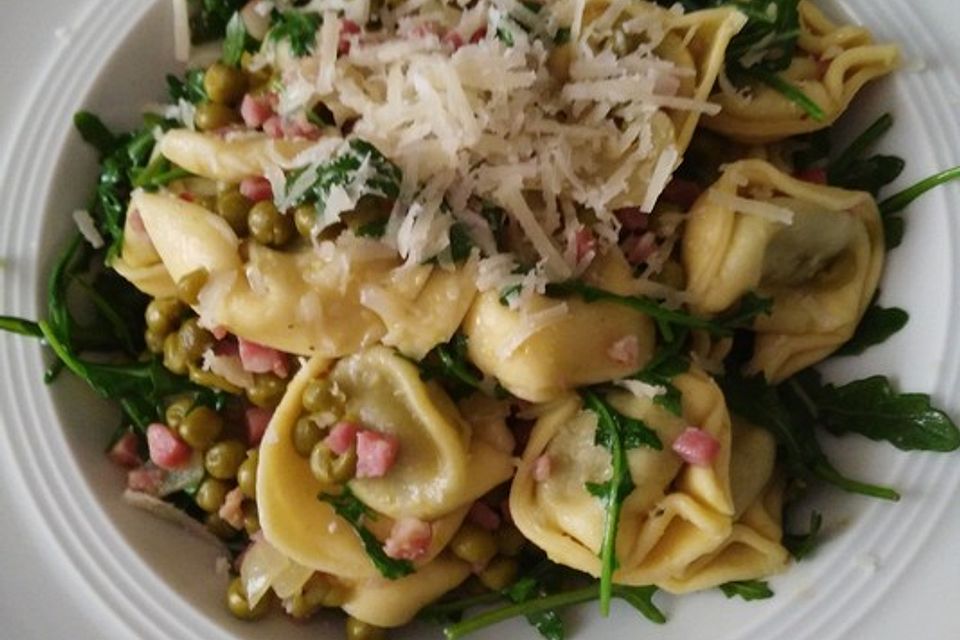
point(766, 210)
point(88, 229)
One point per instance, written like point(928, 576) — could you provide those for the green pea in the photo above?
point(322, 461)
point(499, 573)
point(267, 390)
point(247, 474)
point(154, 341)
point(223, 459)
point(211, 380)
point(163, 315)
point(194, 339)
point(304, 218)
point(220, 527)
point(306, 434)
point(233, 207)
point(224, 84)
point(318, 396)
point(239, 605)
point(201, 427)
point(474, 545)
point(319, 591)
point(345, 466)
point(176, 411)
point(174, 357)
point(189, 286)
point(210, 494)
point(211, 116)
point(251, 517)
point(268, 226)
point(359, 630)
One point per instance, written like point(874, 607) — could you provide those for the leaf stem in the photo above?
point(900, 201)
point(862, 142)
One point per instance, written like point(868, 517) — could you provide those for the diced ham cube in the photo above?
point(376, 453)
point(146, 479)
point(696, 446)
point(342, 436)
point(478, 35)
point(257, 358)
point(409, 539)
point(814, 175)
point(167, 450)
point(453, 40)
point(219, 332)
point(586, 244)
point(625, 351)
point(273, 127)
point(347, 28)
point(256, 419)
point(227, 346)
point(681, 192)
point(632, 218)
point(301, 129)
point(639, 248)
point(255, 110)
point(231, 511)
point(257, 189)
point(484, 516)
point(126, 451)
point(542, 468)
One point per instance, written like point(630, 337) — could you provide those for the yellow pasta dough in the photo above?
point(831, 65)
point(439, 471)
point(821, 270)
point(580, 348)
point(331, 302)
point(230, 160)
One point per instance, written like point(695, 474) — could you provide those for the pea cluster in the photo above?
point(323, 406)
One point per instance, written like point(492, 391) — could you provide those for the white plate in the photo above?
point(886, 571)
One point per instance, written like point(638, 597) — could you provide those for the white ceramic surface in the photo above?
point(76, 562)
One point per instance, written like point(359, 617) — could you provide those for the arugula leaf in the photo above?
point(190, 88)
point(95, 133)
point(900, 201)
point(616, 433)
point(209, 18)
point(749, 307)
point(299, 28)
point(878, 324)
point(382, 181)
point(873, 409)
point(548, 623)
point(788, 418)
point(640, 303)
point(785, 88)
point(20, 326)
point(449, 364)
point(666, 363)
point(350, 508)
point(855, 151)
point(237, 41)
point(801, 545)
point(747, 589)
point(641, 598)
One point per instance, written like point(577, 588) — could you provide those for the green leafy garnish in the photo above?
point(299, 28)
point(786, 89)
point(209, 18)
point(801, 545)
point(871, 408)
point(900, 201)
point(878, 324)
point(382, 180)
point(190, 88)
point(20, 326)
point(616, 433)
point(641, 598)
point(784, 416)
point(747, 589)
point(237, 41)
point(350, 508)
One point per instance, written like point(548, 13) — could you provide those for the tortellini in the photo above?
point(229, 159)
point(440, 469)
point(683, 527)
point(831, 65)
point(821, 270)
point(694, 45)
point(327, 301)
point(581, 347)
point(139, 261)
